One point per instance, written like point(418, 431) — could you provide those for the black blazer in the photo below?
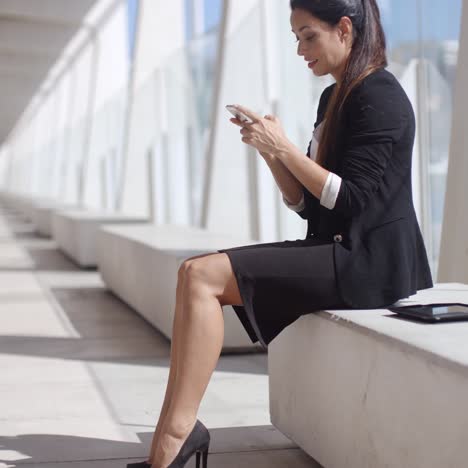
point(379, 251)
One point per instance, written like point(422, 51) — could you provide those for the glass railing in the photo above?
point(422, 39)
point(172, 112)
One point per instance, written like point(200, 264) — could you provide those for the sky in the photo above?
point(132, 8)
point(440, 19)
point(213, 11)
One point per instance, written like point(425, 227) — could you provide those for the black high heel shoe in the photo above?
point(197, 442)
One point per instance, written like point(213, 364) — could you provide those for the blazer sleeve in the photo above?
point(374, 121)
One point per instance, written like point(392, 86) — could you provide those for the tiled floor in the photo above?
point(83, 376)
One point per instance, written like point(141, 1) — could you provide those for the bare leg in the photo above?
point(175, 344)
point(208, 282)
point(173, 369)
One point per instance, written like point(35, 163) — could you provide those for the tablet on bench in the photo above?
point(433, 313)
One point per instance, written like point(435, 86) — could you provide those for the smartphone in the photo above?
point(238, 114)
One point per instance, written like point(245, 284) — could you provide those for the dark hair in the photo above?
point(367, 55)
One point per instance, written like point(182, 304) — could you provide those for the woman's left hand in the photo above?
point(264, 134)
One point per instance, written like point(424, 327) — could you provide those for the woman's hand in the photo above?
point(264, 134)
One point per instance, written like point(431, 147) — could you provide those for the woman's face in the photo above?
point(325, 48)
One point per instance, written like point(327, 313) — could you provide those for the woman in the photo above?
point(363, 247)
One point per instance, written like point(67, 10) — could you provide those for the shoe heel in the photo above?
point(205, 459)
point(203, 451)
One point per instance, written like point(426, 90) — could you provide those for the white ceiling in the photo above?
point(33, 33)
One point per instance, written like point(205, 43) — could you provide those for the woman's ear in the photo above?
point(345, 27)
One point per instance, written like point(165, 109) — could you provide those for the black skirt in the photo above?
point(280, 281)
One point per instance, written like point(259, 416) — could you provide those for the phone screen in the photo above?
point(440, 310)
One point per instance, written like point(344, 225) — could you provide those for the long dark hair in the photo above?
point(368, 54)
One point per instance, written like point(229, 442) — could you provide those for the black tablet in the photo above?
point(434, 312)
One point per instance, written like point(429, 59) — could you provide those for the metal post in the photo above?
point(68, 136)
point(166, 175)
point(424, 138)
point(277, 196)
point(150, 186)
point(191, 172)
point(163, 108)
point(270, 93)
point(254, 211)
point(104, 189)
point(58, 96)
point(89, 116)
point(214, 112)
point(424, 155)
point(113, 174)
point(128, 114)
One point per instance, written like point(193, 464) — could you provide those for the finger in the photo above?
point(236, 122)
point(252, 115)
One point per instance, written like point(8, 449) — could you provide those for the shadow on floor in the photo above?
point(108, 330)
point(20, 227)
point(37, 448)
point(50, 258)
point(97, 312)
point(40, 255)
point(42, 448)
point(42, 250)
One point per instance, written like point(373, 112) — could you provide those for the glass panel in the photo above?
point(422, 40)
point(440, 30)
point(189, 76)
point(132, 18)
point(188, 19)
point(213, 12)
point(298, 97)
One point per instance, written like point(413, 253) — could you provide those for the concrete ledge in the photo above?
point(372, 390)
point(24, 204)
point(42, 214)
point(75, 232)
point(42, 219)
point(140, 265)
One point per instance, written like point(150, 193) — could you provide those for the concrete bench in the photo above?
point(42, 214)
point(140, 265)
point(75, 232)
point(23, 204)
point(367, 389)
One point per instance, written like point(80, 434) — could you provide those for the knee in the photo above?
point(194, 276)
point(182, 270)
point(187, 269)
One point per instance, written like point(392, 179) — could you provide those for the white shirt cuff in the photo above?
point(298, 207)
point(330, 191)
